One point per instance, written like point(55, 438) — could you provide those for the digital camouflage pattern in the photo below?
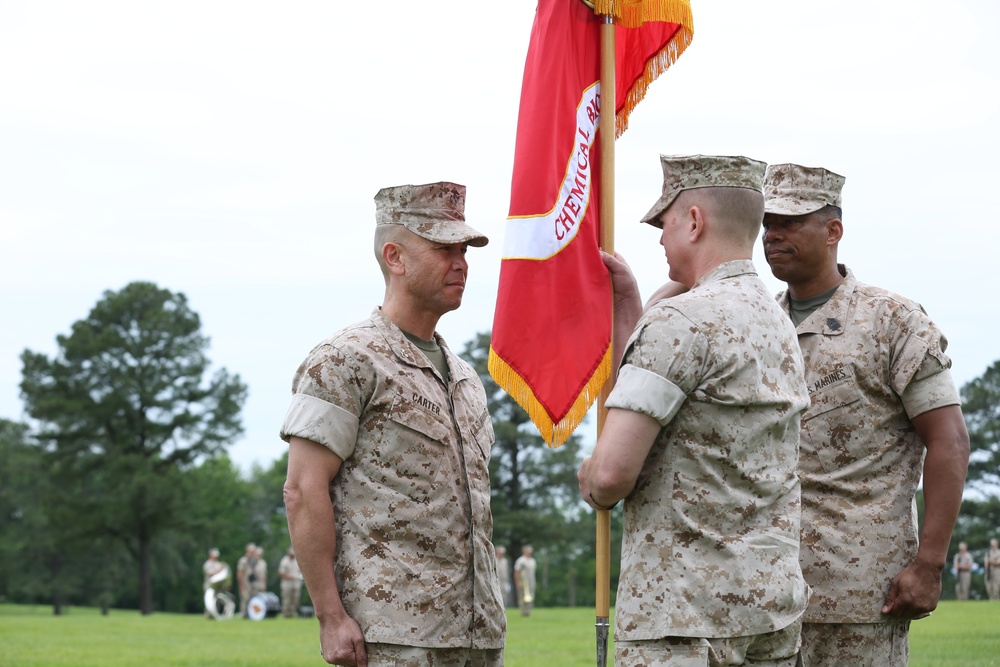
point(414, 560)
point(435, 211)
point(791, 189)
point(688, 172)
point(872, 358)
point(774, 649)
point(406, 656)
point(855, 645)
point(711, 531)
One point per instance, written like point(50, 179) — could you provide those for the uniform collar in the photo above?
point(412, 355)
point(737, 267)
point(830, 318)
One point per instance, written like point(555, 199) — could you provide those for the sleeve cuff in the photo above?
point(317, 420)
point(930, 393)
point(643, 391)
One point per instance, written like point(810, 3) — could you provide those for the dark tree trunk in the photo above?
point(145, 576)
point(56, 594)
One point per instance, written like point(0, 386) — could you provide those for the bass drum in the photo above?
point(263, 605)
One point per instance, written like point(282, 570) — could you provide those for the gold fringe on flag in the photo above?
point(633, 14)
point(555, 434)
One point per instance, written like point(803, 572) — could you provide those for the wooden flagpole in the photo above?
point(607, 241)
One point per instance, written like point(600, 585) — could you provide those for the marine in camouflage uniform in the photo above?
point(963, 571)
point(392, 427)
point(701, 439)
point(884, 410)
point(524, 579)
point(503, 572)
point(245, 567)
point(992, 566)
point(210, 568)
point(291, 584)
point(259, 584)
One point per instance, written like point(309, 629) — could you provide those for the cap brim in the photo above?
point(477, 241)
point(785, 206)
point(450, 232)
point(653, 216)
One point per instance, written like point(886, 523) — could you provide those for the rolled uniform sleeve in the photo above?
point(662, 365)
point(327, 395)
point(643, 391)
point(931, 393)
point(920, 373)
point(314, 419)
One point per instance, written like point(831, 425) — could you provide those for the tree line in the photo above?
point(115, 490)
point(120, 484)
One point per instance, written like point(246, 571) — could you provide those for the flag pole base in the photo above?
point(602, 626)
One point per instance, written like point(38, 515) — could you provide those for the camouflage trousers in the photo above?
point(773, 649)
point(963, 583)
point(855, 644)
point(993, 584)
point(291, 596)
point(394, 655)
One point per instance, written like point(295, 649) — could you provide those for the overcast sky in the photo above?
point(230, 150)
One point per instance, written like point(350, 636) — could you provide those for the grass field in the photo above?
point(965, 634)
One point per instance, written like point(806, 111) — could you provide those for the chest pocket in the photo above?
point(484, 435)
point(834, 425)
point(417, 443)
point(423, 416)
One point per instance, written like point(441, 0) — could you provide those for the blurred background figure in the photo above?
point(211, 567)
point(291, 584)
point(503, 573)
point(963, 571)
point(259, 580)
point(992, 566)
point(219, 605)
point(246, 576)
point(524, 579)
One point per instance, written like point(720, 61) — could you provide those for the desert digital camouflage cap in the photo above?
point(435, 211)
point(687, 172)
point(791, 189)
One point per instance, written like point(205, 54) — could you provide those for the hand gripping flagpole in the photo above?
point(606, 217)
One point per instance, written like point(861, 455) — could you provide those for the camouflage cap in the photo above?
point(687, 172)
point(791, 189)
point(435, 211)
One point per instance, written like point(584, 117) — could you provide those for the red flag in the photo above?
point(550, 348)
point(649, 36)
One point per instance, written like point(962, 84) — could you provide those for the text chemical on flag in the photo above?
point(551, 342)
point(541, 237)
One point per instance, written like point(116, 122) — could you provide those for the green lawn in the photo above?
point(958, 633)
